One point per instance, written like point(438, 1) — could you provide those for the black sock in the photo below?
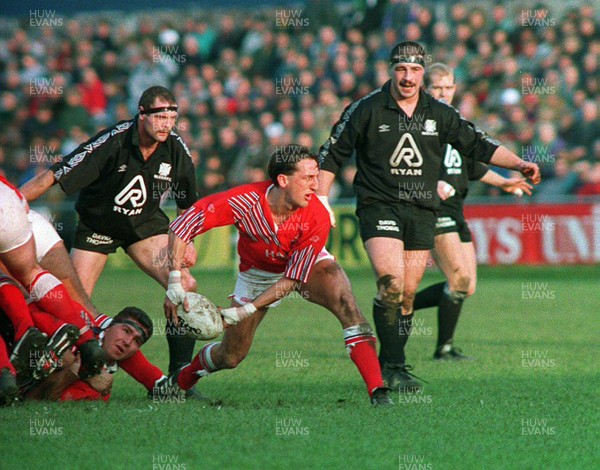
point(181, 348)
point(390, 334)
point(448, 313)
point(429, 297)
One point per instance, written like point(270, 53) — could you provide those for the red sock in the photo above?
point(81, 390)
point(201, 365)
point(4, 359)
point(364, 355)
point(43, 321)
point(52, 297)
point(142, 370)
point(13, 304)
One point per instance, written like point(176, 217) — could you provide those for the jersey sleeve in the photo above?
point(468, 139)
point(302, 259)
point(83, 165)
point(184, 188)
point(342, 141)
point(207, 213)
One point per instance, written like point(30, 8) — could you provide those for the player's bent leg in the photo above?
point(151, 256)
point(226, 354)
point(88, 265)
point(329, 287)
point(22, 263)
point(452, 258)
point(57, 262)
point(471, 263)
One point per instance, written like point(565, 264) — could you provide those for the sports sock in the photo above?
point(45, 322)
point(51, 296)
point(201, 365)
point(4, 358)
point(448, 312)
point(404, 327)
point(142, 370)
point(14, 306)
point(181, 348)
point(387, 324)
point(363, 353)
point(429, 297)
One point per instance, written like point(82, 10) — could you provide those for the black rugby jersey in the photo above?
point(399, 158)
point(458, 171)
point(120, 192)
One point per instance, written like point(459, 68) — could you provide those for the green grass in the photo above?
point(470, 415)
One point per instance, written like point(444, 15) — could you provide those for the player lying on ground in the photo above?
point(18, 255)
point(454, 252)
point(120, 338)
point(283, 228)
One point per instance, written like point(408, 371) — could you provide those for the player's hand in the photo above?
point(190, 256)
point(175, 295)
point(445, 190)
point(517, 186)
point(234, 315)
point(531, 171)
point(325, 201)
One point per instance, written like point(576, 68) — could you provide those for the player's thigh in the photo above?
point(88, 265)
point(151, 255)
point(21, 262)
point(386, 256)
point(329, 286)
point(450, 257)
point(471, 263)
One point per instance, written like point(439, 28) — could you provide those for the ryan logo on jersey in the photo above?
point(407, 153)
point(134, 194)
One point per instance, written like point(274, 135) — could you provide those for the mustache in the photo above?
point(406, 83)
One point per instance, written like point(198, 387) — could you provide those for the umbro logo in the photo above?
point(384, 128)
point(122, 169)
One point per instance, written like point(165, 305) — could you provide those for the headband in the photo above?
point(160, 109)
point(411, 59)
point(136, 326)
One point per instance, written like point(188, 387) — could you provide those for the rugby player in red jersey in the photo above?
point(283, 228)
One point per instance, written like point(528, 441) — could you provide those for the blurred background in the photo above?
point(251, 76)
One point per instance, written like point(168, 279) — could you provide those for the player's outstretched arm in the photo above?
point(325, 181)
point(507, 159)
point(277, 291)
point(38, 185)
point(516, 186)
point(175, 294)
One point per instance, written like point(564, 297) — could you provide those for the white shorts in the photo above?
point(43, 232)
point(250, 284)
point(15, 229)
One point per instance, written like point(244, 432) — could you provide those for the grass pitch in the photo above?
point(530, 400)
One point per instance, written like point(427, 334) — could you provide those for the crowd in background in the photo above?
point(249, 81)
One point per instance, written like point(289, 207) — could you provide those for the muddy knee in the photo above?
point(389, 291)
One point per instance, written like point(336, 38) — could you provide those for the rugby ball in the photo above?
point(203, 321)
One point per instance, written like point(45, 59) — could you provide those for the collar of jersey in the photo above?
point(391, 102)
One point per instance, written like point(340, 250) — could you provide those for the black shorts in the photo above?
point(411, 224)
point(448, 223)
point(88, 239)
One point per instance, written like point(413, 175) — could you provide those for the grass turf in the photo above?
point(530, 400)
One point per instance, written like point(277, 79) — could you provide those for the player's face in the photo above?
point(303, 183)
point(442, 87)
point(121, 341)
point(158, 126)
point(407, 79)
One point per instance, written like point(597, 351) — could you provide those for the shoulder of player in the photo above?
point(316, 209)
point(366, 104)
point(178, 144)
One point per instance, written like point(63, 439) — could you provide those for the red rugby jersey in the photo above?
point(290, 248)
